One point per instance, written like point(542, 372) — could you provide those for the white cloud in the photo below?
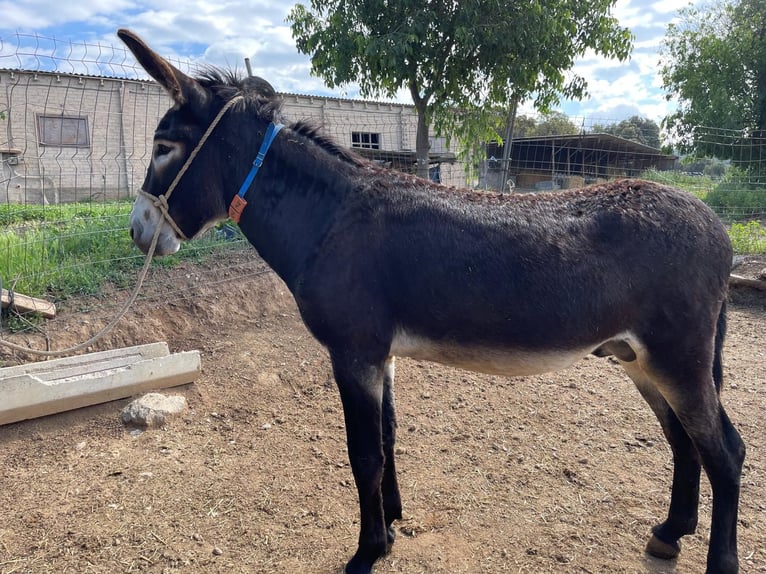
point(669, 6)
point(39, 14)
point(631, 14)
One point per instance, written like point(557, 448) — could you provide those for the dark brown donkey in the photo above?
point(384, 264)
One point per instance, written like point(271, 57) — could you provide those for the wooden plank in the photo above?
point(27, 304)
point(27, 395)
point(738, 281)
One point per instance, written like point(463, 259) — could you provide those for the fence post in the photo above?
point(508, 142)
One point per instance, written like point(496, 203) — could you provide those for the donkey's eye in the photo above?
point(161, 149)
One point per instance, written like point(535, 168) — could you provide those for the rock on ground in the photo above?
point(152, 410)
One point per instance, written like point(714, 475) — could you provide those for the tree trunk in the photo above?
point(422, 145)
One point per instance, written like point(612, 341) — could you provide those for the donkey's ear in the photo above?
point(179, 86)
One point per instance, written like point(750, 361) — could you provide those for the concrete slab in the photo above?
point(48, 387)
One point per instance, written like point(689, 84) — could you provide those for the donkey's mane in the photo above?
point(327, 143)
point(227, 84)
point(259, 99)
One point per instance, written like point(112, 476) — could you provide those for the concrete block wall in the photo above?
point(121, 117)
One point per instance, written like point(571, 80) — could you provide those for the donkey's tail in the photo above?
point(720, 335)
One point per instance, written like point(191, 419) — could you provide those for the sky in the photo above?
point(225, 32)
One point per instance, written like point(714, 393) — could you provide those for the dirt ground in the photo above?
point(565, 472)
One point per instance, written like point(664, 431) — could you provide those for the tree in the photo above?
point(554, 124)
point(635, 128)
point(524, 126)
point(714, 62)
point(460, 61)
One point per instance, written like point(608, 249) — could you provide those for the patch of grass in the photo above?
point(738, 197)
point(698, 185)
point(748, 238)
point(60, 251)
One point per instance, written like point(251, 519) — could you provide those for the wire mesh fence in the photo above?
point(76, 127)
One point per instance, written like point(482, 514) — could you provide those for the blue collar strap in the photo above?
point(238, 203)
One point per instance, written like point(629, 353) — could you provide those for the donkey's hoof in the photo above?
point(661, 549)
point(362, 561)
point(390, 537)
point(357, 567)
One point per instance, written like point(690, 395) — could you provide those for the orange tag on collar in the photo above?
point(236, 207)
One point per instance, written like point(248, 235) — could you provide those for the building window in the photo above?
point(365, 139)
point(63, 131)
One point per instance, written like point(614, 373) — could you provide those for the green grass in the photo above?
point(57, 252)
point(738, 199)
point(698, 185)
point(748, 238)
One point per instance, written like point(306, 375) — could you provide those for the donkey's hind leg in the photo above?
point(691, 394)
point(684, 498)
point(392, 502)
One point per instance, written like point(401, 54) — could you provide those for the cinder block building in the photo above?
point(69, 137)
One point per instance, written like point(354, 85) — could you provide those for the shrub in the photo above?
point(748, 238)
point(737, 196)
point(698, 185)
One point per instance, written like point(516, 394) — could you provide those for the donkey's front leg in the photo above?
point(361, 390)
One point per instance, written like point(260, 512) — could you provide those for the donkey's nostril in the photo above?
point(136, 229)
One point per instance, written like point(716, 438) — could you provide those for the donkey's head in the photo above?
point(186, 205)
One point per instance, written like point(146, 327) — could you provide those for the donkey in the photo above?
point(383, 264)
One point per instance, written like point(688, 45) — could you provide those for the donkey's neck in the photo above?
point(293, 202)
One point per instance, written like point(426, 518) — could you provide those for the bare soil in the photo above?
point(565, 472)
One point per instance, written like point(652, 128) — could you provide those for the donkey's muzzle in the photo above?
point(144, 220)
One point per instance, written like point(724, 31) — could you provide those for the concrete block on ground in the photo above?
point(38, 389)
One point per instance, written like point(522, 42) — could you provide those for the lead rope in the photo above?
point(161, 203)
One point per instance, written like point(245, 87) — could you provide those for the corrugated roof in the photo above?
point(601, 141)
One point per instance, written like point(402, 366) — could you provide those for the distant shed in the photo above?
point(560, 162)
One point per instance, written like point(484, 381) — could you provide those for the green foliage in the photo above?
point(714, 62)
point(72, 249)
point(475, 56)
point(715, 169)
point(748, 238)
point(636, 128)
point(697, 185)
point(737, 196)
point(734, 196)
point(552, 124)
point(50, 250)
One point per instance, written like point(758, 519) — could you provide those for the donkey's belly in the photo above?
point(495, 361)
